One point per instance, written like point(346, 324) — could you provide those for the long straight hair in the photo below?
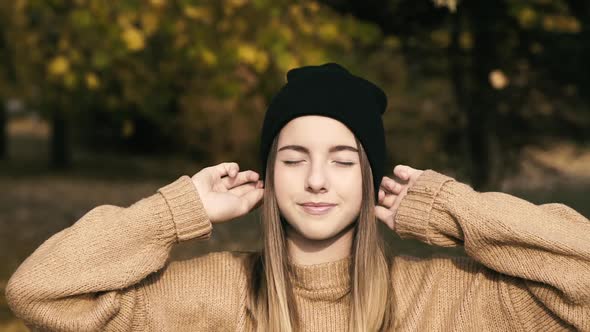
point(272, 302)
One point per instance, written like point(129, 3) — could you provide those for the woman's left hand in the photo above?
point(391, 193)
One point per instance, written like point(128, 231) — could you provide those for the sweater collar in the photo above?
point(331, 279)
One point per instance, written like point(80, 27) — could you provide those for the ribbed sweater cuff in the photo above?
point(188, 214)
point(414, 215)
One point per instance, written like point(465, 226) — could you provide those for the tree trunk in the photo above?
point(3, 132)
point(60, 149)
point(458, 66)
point(481, 111)
point(581, 10)
point(8, 66)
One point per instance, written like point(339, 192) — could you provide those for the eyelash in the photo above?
point(290, 162)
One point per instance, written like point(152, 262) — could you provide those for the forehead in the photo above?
point(316, 131)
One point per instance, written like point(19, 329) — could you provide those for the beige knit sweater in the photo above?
point(528, 270)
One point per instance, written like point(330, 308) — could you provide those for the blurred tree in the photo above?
point(504, 90)
point(156, 69)
point(7, 74)
point(580, 9)
point(469, 89)
point(488, 24)
point(3, 120)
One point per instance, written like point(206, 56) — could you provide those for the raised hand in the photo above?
point(391, 193)
point(227, 193)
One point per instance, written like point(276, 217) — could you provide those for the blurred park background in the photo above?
point(104, 102)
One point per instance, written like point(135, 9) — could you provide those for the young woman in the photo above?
point(322, 267)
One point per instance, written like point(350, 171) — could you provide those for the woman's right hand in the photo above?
point(227, 193)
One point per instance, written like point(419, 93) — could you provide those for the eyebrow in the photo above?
point(303, 149)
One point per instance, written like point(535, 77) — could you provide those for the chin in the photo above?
point(318, 231)
point(317, 234)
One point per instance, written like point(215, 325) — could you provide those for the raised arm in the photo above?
point(87, 276)
point(81, 278)
point(546, 246)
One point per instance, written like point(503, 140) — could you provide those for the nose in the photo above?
point(316, 178)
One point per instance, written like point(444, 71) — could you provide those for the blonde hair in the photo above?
point(272, 303)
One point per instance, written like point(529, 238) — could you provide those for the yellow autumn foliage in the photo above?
point(92, 81)
point(313, 6)
point(58, 66)
point(149, 22)
point(236, 3)
point(208, 57)
point(527, 17)
point(286, 61)
point(251, 55)
point(328, 31)
point(199, 13)
point(158, 3)
point(133, 38)
point(247, 53)
point(561, 23)
point(286, 33)
point(262, 61)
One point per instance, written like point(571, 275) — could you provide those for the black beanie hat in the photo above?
point(330, 90)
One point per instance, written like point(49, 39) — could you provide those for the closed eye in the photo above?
point(295, 162)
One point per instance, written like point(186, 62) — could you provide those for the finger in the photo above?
point(397, 202)
point(243, 189)
point(395, 207)
point(239, 179)
point(381, 195)
point(385, 215)
point(251, 199)
point(402, 171)
point(260, 202)
point(389, 200)
point(227, 169)
point(391, 185)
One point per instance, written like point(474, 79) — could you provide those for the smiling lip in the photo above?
point(317, 208)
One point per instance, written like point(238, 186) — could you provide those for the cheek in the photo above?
point(355, 191)
point(348, 186)
point(285, 183)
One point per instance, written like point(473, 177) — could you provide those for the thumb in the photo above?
point(385, 215)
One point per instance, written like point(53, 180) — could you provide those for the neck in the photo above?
point(304, 251)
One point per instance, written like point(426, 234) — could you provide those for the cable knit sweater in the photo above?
point(528, 269)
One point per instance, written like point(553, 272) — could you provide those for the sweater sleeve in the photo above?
point(85, 277)
point(546, 247)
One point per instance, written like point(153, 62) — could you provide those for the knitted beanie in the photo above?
point(332, 91)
